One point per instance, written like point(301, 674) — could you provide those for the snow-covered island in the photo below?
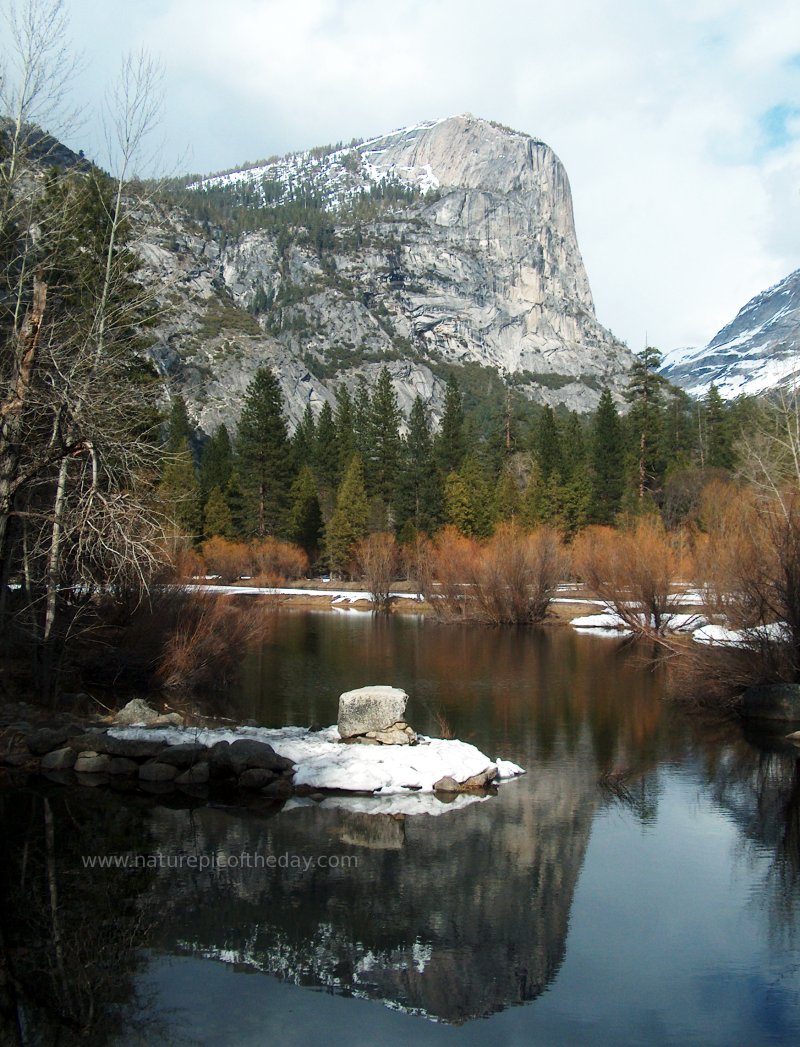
point(372, 756)
point(323, 761)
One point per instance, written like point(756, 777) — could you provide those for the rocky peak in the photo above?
point(478, 264)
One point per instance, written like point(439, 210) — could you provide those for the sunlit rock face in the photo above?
point(482, 266)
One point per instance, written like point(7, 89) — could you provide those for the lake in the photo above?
point(639, 885)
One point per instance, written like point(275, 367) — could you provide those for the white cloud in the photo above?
point(654, 108)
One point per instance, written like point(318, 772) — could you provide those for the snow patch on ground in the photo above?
point(606, 620)
point(723, 636)
point(323, 761)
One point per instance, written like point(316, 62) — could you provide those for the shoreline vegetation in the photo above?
point(113, 496)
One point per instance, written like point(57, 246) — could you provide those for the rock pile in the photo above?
point(96, 757)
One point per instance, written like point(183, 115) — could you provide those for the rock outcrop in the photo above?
point(483, 267)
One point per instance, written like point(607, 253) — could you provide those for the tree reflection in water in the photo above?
point(72, 939)
point(455, 916)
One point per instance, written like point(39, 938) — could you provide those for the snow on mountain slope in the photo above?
point(758, 351)
point(337, 173)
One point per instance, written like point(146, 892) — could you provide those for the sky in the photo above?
point(678, 121)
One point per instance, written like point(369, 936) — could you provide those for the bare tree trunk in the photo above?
point(52, 885)
point(12, 409)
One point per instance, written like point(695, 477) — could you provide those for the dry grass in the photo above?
point(443, 725)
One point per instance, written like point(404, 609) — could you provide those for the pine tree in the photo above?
point(304, 441)
point(305, 515)
point(419, 498)
point(382, 464)
point(645, 394)
point(362, 430)
point(325, 460)
point(678, 428)
point(506, 498)
point(553, 500)
point(180, 492)
point(263, 454)
point(345, 431)
point(547, 445)
point(179, 428)
point(719, 442)
point(350, 520)
point(468, 500)
point(576, 501)
point(531, 510)
point(237, 504)
point(217, 519)
point(573, 447)
point(450, 444)
point(216, 461)
point(607, 462)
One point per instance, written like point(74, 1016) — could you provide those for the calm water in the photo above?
point(559, 911)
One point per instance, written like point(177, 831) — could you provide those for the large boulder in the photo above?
point(137, 711)
point(46, 739)
point(183, 755)
point(474, 783)
point(59, 759)
point(367, 709)
point(776, 701)
point(130, 748)
point(246, 753)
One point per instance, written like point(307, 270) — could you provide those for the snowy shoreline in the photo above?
point(323, 762)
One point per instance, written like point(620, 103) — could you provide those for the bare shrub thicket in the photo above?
point(633, 571)
point(203, 638)
point(182, 563)
point(443, 567)
point(273, 562)
point(378, 560)
point(228, 560)
point(750, 565)
point(514, 577)
point(509, 578)
point(268, 562)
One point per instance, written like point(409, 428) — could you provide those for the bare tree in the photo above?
point(378, 559)
point(77, 422)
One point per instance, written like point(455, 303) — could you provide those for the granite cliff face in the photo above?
point(474, 260)
point(756, 352)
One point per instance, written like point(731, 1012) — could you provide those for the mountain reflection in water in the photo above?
point(453, 917)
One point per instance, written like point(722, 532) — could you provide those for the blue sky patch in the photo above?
point(774, 125)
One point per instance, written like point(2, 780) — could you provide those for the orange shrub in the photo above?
point(230, 560)
point(514, 576)
point(275, 561)
point(183, 563)
point(378, 559)
point(453, 559)
point(205, 640)
point(633, 571)
point(507, 579)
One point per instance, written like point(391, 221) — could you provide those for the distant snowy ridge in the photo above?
point(758, 351)
point(338, 175)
